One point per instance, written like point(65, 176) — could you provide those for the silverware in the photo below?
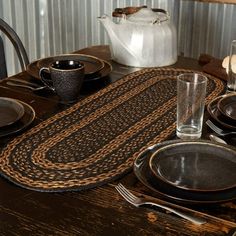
point(216, 139)
point(218, 130)
point(25, 86)
point(137, 201)
point(21, 81)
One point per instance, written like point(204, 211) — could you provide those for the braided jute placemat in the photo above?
point(97, 139)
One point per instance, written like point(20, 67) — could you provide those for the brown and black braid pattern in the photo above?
point(96, 140)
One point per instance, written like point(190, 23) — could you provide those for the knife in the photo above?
point(25, 82)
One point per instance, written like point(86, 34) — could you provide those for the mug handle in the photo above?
point(45, 81)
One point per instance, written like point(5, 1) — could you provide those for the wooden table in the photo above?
point(99, 211)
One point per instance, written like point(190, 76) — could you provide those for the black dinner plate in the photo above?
point(171, 193)
point(21, 124)
point(33, 70)
point(10, 111)
point(227, 106)
point(218, 116)
point(195, 166)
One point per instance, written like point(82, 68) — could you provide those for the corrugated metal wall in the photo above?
point(50, 27)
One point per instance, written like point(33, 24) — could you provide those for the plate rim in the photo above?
point(21, 107)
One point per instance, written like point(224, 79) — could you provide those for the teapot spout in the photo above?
point(107, 23)
point(110, 28)
point(119, 50)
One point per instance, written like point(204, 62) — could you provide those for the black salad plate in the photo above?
point(22, 123)
point(92, 64)
point(10, 111)
point(214, 112)
point(172, 193)
point(227, 106)
point(195, 166)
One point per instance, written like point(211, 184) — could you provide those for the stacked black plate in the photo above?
point(189, 172)
point(15, 116)
point(95, 68)
point(223, 110)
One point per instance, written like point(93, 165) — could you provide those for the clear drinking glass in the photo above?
point(232, 67)
point(191, 93)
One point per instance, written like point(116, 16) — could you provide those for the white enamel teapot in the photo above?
point(145, 38)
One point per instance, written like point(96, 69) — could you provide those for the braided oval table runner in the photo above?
point(97, 139)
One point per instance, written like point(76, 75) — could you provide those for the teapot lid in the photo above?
point(147, 16)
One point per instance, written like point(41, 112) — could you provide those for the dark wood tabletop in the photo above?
point(101, 210)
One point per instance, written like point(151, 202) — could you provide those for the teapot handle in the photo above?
point(160, 10)
point(120, 12)
point(158, 20)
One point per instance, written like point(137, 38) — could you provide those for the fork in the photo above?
point(218, 130)
point(138, 201)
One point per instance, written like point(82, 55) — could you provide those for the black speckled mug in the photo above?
point(67, 78)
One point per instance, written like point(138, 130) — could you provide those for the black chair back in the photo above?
point(3, 67)
point(19, 47)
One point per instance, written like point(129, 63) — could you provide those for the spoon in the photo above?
point(216, 139)
point(25, 86)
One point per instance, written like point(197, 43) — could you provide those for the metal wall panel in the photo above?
point(50, 27)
